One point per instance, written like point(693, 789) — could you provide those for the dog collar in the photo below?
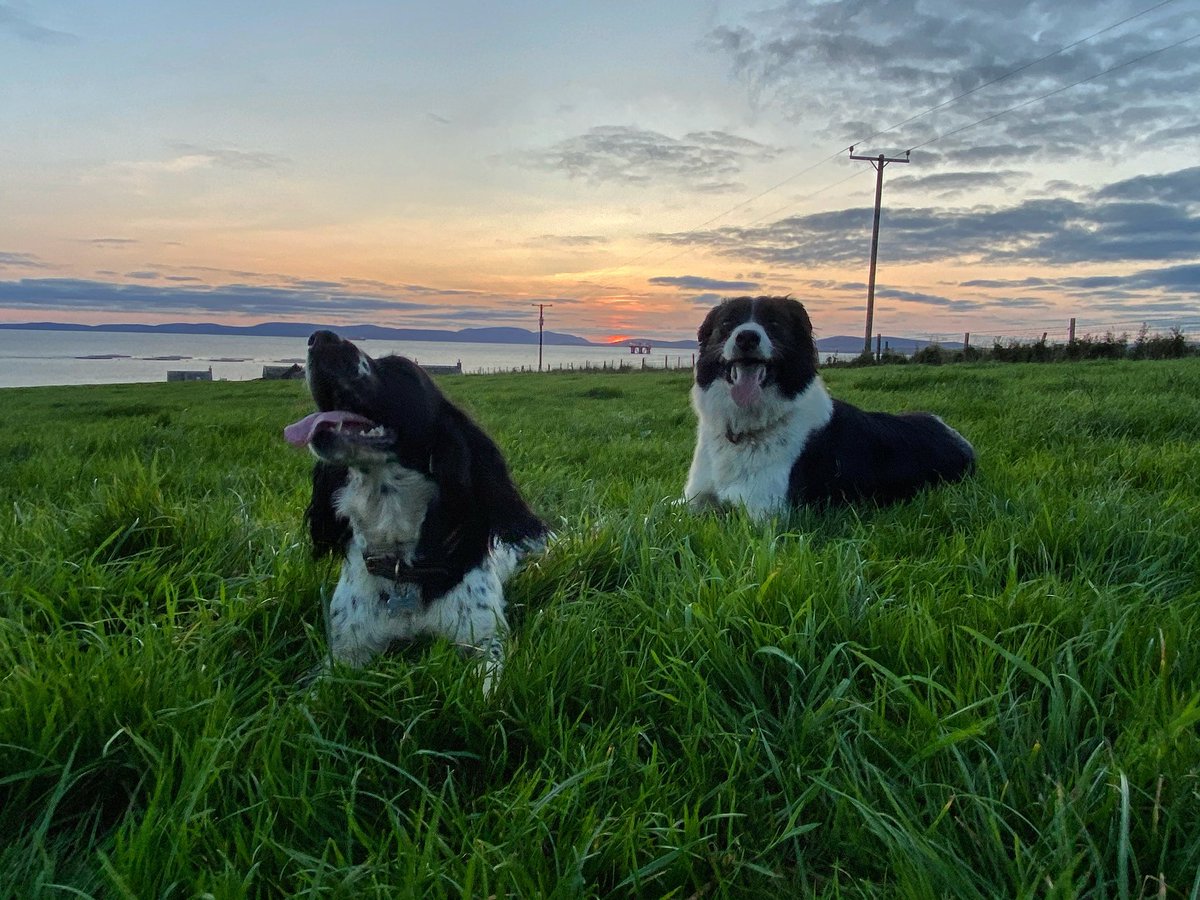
point(394, 567)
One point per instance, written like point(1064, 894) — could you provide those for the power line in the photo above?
point(792, 202)
point(837, 154)
point(1030, 102)
point(796, 200)
point(722, 215)
point(1015, 71)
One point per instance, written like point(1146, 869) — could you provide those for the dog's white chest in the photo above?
point(754, 472)
point(745, 458)
point(386, 506)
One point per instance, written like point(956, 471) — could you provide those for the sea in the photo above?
point(29, 358)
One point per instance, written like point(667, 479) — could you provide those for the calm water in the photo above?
point(86, 357)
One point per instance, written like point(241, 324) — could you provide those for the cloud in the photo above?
point(75, 295)
point(979, 157)
point(295, 298)
point(26, 29)
point(188, 159)
point(696, 283)
point(704, 161)
point(949, 184)
point(1100, 228)
point(845, 69)
point(1169, 290)
point(705, 299)
point(21, 261)
point(928, 299)
point(349, 283)
point(232, 158)
point(567, 240)
point(522, 316)
point(110, 242)
point(1183, 278)
point(1182, 186)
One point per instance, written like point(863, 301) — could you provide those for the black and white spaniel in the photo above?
point(770, 436)
point(418, 502)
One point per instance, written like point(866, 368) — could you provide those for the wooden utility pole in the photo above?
point(541, 322)
point(878, 162)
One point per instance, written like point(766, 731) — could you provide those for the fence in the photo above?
point(1136, 339)
point(670, 362)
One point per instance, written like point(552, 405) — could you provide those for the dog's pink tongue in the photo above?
point(300, 434)
point(747, 385)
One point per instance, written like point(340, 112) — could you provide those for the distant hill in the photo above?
point(840, 344)
point(304, 329)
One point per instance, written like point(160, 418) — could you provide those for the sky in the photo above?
point(628, 163)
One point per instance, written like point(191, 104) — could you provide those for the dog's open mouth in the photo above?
point(301, 434)
point(747, 378)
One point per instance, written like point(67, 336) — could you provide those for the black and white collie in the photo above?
point(769, 435)
point(417, 501)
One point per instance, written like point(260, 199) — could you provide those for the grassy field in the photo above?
point(992, 691)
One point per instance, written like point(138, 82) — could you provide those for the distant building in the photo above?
point(193, 375)
point(283, 373)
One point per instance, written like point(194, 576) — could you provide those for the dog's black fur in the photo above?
point(769, 435)
point(477, 502)
point(415, 498)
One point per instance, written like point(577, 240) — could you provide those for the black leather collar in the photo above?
point(393, 566)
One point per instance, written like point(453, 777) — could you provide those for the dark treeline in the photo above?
point(1172, 345)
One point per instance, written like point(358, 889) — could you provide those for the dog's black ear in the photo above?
point(450, 462)
point(474, 484)
point(509, 518)
point(330, 533)
point(801, 328)
point(706, 327)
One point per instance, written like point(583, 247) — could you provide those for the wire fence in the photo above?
point(1127, 331)
point(667, 362)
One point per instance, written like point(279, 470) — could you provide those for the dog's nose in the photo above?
point(747, 340)
point(317, 338)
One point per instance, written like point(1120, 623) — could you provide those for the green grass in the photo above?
point(991, 691)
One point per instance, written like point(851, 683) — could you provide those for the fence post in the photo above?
point(966, 342)
point(1071, 331)
point(878, 347)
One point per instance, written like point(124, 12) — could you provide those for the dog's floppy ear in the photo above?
point(330, 533)
point(450, 462)
point(473, 479)
point(706, 327)
point(801, 327)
